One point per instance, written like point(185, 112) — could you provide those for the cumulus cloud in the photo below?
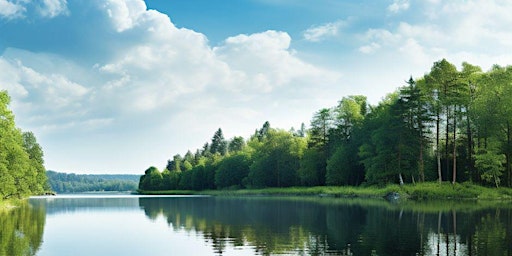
point(263, 61)
point(53, 8)
point(52, 96)
point(169, 62)
point(126, 14)
point(158, 82)
point(319, 33)
point(445, 30)
point(399, 6)
point(11, 10)
point(22, 8)
point(370, 48)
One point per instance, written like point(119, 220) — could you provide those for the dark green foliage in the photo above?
point(344, 167)
point(262, 133)
point(236, 144)
point(76, 183)
point(232, 171)
point(219, 144)
point(151, 180)
point(321, 124)
point(170, 180)
point(311, 166)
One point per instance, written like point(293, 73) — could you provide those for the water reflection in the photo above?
point(254, 225)
point(338, 227)
point(21, 230)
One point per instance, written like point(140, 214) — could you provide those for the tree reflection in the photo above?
point(21, 230)
point(490, 236)
point(336, 227)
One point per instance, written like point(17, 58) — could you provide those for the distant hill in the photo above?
point(77, 183)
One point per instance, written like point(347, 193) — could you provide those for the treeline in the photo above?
point(449, 125)
point(76, 183)
point(22, 171)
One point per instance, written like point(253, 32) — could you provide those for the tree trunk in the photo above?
point(454, 147)
point(421, 166)
point(470, 147)
point(438, 156)
point(507, 155)
point(446, 144)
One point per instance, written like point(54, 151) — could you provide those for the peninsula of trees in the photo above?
point(449, 125)
point(22, 171)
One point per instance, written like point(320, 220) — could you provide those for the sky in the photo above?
point(116, 86)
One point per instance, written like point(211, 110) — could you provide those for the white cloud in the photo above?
point(319, 33)
point(445, 30)
point(370, 48)
point(399, 6)
point(10, 10)
point(44, 98)
point(126, 14)
point(263, 61)
point(53, 8)
point(10, 79)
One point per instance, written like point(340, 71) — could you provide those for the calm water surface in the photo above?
point(140, 225)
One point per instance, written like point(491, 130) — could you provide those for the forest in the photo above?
point(76, 183)
point(22, 170)
point(450, 125)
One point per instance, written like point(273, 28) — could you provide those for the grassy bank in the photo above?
point(420, 191)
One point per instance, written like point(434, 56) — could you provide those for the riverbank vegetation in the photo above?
point(22, 171)
point(419, 191)
point(449, 126)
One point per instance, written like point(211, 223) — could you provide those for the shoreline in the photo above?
point(415, 192)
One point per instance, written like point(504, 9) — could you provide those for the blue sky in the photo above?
point(116, 86)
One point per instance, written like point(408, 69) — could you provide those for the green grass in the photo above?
point(417, 192)
point(434, 190)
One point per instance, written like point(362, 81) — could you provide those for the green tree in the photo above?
point(175, 164)
point(170, 180)
point(236, 144)
point(232, 170)
point(151, 180)
point(349, 113)
point(219, 144)
point(491, 165)
point(276, 160)
point(17, 177)
point(321, 124)
point(310, 164)
point(492, 108)
point(314, 164)
point(262, 133)
point(37, 169)
point(343, 167)
point(470, 76)
point(441, 80)
point(386, 157)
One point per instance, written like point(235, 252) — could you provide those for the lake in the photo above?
point(195, 225)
